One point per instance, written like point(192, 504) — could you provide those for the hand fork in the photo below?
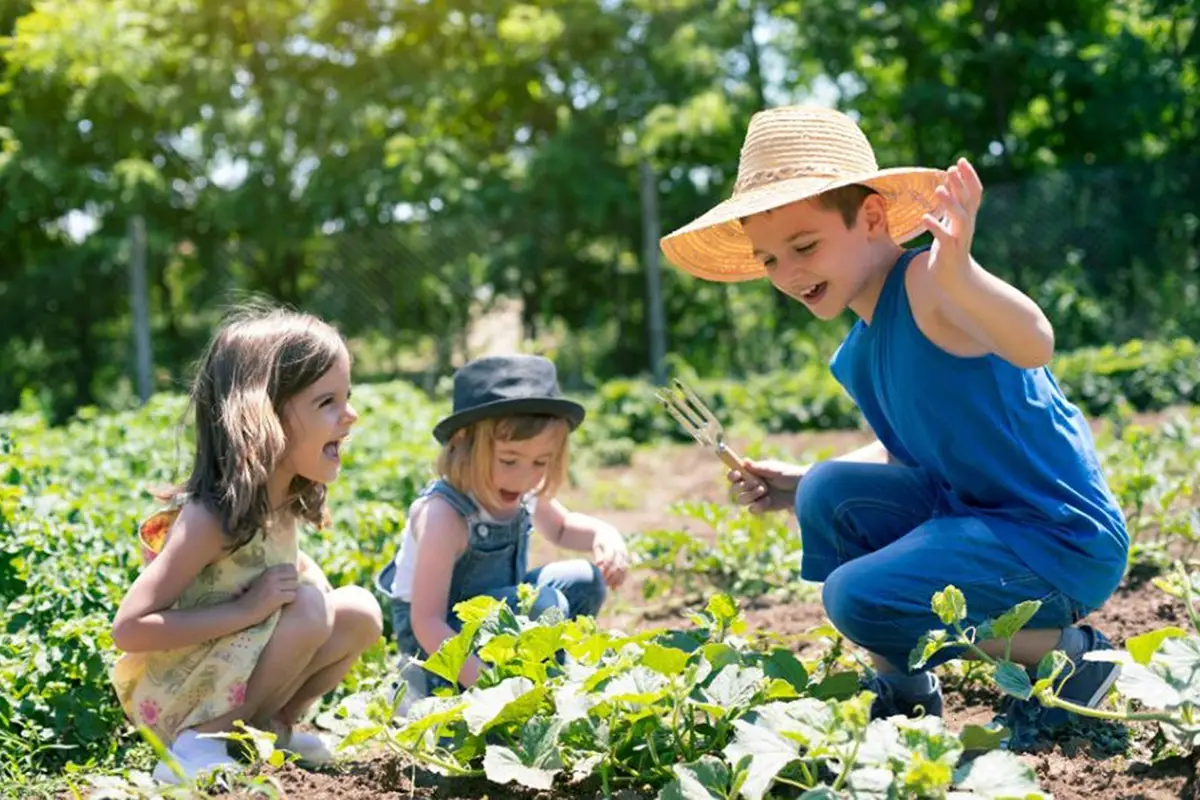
point(696, 418)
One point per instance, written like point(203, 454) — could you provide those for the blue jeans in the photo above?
point(872, 534)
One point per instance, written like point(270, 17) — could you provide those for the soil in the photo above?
point(1103, 760)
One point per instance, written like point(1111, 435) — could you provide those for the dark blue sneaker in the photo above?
point(888, 702)
point(1087, 685)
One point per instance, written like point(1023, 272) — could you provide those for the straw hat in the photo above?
point(790, 154)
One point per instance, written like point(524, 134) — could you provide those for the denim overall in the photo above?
point(494, 564)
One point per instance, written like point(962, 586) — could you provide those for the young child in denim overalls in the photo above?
point(504, 456)
point(983, 474)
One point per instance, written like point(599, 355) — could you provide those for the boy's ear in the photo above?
point(873, 214)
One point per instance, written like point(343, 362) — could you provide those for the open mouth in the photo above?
point(509, 497)
point(333, 450)
point(814, 293)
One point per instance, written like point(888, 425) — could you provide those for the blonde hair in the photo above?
point(258, 360)
point(466, 459)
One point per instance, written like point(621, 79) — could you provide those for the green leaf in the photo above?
point(779, 689)
point(784, 664)
point(1000, 775)
point(838, 686)
point(950, 605)
point(502, 765)
point(477, 609)
point(1013, 679)
point(665, 660)
point(360, 735)
point(734, 686)
point(927, 647)
point(1144, 646)
point(977, 737)
point(722, 609)
point(512, 700)
point(499, 650)
point(448, 661)
point(720, 655)
point(1007, 624)
point(768, 753)
point(540, 643)
point(533, 763)
point(1147, 686)
point(705, 779)
point(638, 686)
point(430, 714)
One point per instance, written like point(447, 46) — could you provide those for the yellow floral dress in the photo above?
point(170, 691)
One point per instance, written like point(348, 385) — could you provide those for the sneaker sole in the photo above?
point(1102, 690)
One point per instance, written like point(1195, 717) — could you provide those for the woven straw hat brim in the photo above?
point(714, 246)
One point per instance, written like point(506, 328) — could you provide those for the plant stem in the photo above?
point(963, 640)
point(790, 782)
point(1187, 596)
point(808, 776)
point(1116, 716)
point(849, 765)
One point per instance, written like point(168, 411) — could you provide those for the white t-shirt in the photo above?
point(406, 559)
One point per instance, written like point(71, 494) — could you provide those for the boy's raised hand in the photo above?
point(960, 196)
point(767, 485)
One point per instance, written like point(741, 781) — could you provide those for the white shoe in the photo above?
point(195, 754)
point(309, 746)
point(412, 677)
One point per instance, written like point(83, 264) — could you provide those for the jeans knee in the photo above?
point(846, 596)
point(591, 595)
point(549, 597)
point(816, 496)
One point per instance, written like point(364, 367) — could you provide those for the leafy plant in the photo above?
point(707, 712)
point(748, 556)
point(1157, 669)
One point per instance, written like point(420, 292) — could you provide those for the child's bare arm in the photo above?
point(145, 620)
point(569, 529)
point(997, 316)
point(441, 537)
point(310, 572)
point(574, 530)
point(873, 453)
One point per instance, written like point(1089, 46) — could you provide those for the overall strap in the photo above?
point(459, 501)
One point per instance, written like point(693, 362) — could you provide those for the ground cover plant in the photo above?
point(661, 696)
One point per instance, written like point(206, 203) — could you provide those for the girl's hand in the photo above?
point(611, 557)
point(766, 486)
point(270, 591)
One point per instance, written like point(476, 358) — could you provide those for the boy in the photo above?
point(982, 473)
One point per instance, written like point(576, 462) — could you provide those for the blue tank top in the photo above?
point(1003, 443)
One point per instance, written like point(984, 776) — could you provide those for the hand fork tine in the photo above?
point(699, 421)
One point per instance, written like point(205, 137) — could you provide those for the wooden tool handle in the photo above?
point(731, 459)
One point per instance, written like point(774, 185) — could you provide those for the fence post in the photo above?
point(654, 301)
point(140, 306)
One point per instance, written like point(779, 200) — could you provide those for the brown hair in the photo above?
point(846, 200)
point(257, 361)
point(466, 460)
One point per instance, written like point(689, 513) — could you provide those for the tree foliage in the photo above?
point(399, 166)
